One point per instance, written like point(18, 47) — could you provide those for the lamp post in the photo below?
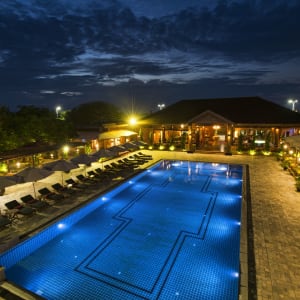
point(293, 102)
point(161, 106)
point(65, 151)
point(57, 110)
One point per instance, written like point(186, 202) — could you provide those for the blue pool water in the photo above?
point(172, 232)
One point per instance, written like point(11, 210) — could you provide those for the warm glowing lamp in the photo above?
point(132, 121)
point(66, 150)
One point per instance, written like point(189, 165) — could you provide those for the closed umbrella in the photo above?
point(31, 174)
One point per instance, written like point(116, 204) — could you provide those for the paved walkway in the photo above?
point(275, 216)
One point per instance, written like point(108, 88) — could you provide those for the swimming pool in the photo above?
point(172, 232)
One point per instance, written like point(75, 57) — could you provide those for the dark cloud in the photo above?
point(87, 50)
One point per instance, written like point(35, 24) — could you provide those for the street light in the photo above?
point(65, 151)
point(293, 102)
point(160, 106)
point(57, 109)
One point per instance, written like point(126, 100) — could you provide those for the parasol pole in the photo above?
point(34, 192)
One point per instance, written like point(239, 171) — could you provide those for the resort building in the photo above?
point(115, 135)
point(223, 124)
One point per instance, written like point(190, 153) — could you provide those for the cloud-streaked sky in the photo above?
point(147, 52)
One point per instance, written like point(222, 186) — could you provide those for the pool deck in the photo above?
point(275, 217)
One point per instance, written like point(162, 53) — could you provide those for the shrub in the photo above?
point(285, 164)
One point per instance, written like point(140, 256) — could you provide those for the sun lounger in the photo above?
point(33, 203)
point(86, 180)
point(99, 176)
point(107, 174)
point(104, 173)
point(18, 208)
point(48, 195)
point(93, 174)
point(139, 158)
point(133, 161)
point(113, 170)
point(94, 177)
point(4, 221)
point(108, 170)
point(76, 185)
point(121, 166)
point(141, 154)
point(63, 189)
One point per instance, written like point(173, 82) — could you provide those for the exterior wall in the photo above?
point(106, 143)
point(222, 137)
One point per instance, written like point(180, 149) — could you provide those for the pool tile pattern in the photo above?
point(140, 256)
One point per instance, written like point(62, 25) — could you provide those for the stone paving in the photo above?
point(275, 216)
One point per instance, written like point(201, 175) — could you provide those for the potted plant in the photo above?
point(285, 164)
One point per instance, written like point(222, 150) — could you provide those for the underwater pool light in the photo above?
point(61, 225)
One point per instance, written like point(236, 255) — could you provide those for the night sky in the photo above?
point(141, 53)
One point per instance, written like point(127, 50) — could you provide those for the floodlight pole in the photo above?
point(293, 102)
point(161, 106)
point(57, 110)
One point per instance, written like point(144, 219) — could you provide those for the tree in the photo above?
point(32, 126)
point(8, 137)
point(95, 114)
point(40, 125)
